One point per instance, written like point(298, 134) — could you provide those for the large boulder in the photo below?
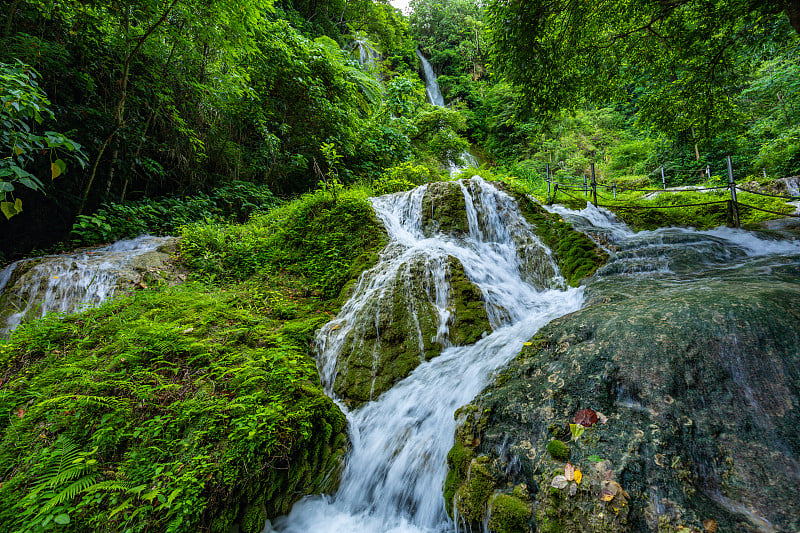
point(693, 387)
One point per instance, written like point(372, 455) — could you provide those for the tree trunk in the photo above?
point(119, 112)
point(10, 20)
point(793, 12)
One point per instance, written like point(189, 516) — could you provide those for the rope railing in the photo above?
point(767, 194)
point(733, 203)
point(768, 211)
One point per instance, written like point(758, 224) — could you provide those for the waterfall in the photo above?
point(435, 97)
point(396, 468)
point(431, 85)
point(31, 288)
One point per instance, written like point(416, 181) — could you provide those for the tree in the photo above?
point(680, 61)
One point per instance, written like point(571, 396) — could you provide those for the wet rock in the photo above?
point(700, 384)
point(404, 325)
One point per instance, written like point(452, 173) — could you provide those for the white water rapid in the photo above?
point(66, 282)
point(396, 469)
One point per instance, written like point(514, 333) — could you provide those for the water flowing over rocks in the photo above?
point(31, 288)
point(688, 351)
point(454, 279)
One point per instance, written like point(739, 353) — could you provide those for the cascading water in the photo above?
point(675, 251)
point(435, 97)
point(431, 85)
point(64, 283)
point(395, 471)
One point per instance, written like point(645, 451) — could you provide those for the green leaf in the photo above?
point(595, 458)
point(576, 430)
point(9, 209)
point(62, 519)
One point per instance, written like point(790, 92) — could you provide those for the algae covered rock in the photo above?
point(698, 387)
point(405, 323)
point(444, 209)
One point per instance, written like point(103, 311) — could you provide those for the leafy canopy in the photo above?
point(679, 60)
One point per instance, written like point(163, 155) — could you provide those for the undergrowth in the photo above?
point(234, 202)
point(324, 240)
point(191, 408)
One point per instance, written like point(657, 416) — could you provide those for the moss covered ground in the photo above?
point(189, 408)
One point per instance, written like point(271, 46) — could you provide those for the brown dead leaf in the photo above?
point(20, 412)
point(710, 525)
point(606, 495)
point(585, 417)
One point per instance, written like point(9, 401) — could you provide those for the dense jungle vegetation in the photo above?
point(109, 103)
point(256, 130)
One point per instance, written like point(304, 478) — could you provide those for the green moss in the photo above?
point(254, 517)
point(575, 253)
point(509, 514)
point(471, 497)
point(470, 320)
point(444, 209)
point(558, 450)
point(458, 460)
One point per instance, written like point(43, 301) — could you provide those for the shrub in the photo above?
point(234, 202)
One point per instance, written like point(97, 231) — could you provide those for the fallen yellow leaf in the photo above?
point(527, 344)
point(578, 476)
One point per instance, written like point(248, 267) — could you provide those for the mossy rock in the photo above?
point(444, 209)
point(699, 384)
point(399, 328)
point(472, 496)
point(558, 450)
point(508, 514)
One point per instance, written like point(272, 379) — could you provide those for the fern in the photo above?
point(67, 473)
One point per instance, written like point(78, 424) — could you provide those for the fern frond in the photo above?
point(108, 486)
point(69, 493)
point(69, 474)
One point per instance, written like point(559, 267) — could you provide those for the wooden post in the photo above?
point(585, 188)
point(614, 189)
point(547, 174)
point(663, 179)
point(732, 185)
point(764, 170)
point(708, 172)
point(555, 192)
point(594, 187)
